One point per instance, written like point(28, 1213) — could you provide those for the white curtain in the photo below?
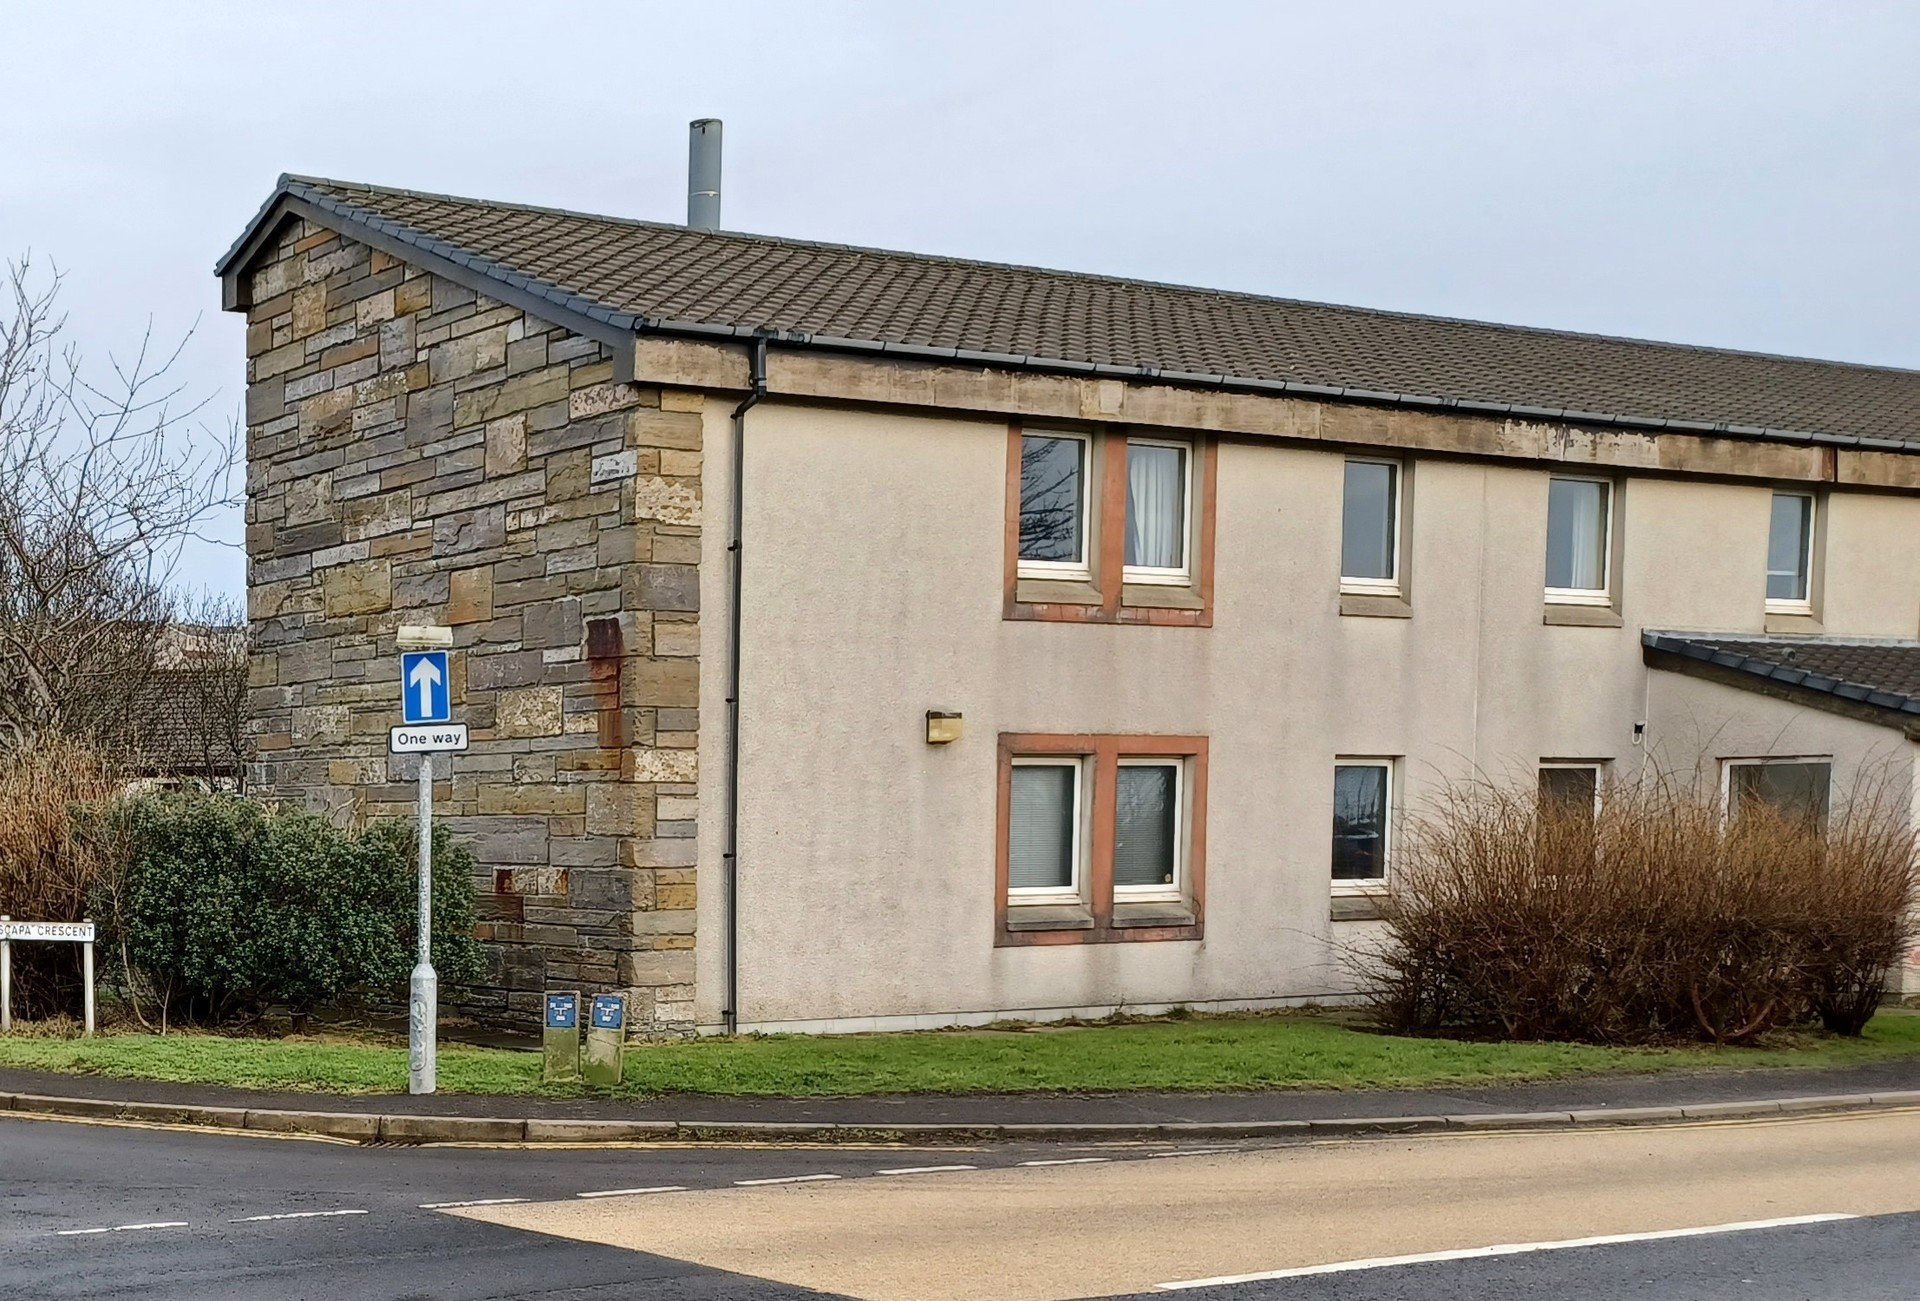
point(1577, 534)
point(1156, 506)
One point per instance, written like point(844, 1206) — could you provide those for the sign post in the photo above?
point(80, 933)
point(426, 711)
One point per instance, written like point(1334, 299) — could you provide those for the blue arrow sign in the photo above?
point(424, 683)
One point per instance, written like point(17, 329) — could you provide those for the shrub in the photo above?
point(47, 872)
point(1652, 918)
point(227, 908)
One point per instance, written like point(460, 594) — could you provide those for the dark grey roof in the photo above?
point(655, 277)
point(1879, 675)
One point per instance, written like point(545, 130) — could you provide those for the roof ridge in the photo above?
point(290, 179)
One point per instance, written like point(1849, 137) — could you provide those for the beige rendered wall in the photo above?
point(1695, 725)
point(873, 590)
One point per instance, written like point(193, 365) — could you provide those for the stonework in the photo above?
point(416, 454)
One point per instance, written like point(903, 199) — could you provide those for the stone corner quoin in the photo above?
point(418, 453)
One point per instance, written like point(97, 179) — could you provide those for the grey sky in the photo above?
point(1739, 174)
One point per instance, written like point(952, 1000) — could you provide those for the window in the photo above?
point(1146, 829)
point(1043, 831)
point(1576, 785)
point(1790, 554)
point(1362, 821)
point(1791, 788)
point(1579, 539)
point(1103, 527)
point(1102, 838)
point(1370, 528)
point(1053, 504)
point(1159, 491)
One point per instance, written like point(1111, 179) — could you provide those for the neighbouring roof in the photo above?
point(655, 277)
point(1881, 677)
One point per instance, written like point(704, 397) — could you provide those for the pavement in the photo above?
point(97, 1210)
point(1662, 1090)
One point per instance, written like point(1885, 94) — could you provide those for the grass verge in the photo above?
point(1201, 1054)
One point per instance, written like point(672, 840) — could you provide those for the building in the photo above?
point(1087, 636)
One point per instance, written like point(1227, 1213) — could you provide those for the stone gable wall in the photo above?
point(417, 453)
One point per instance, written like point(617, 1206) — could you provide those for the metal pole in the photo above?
point(6, 982)
point(86, 975)
point(424, 1005)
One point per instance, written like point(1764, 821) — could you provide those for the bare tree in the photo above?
point(103, 480)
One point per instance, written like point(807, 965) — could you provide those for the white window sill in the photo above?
point(1373, 886)
point(1044, 899)
point(1121, 894)
point(1791, 609)
point(1368, 587)
point(1577, 596)
point(1156, 577)
point(1054, 573)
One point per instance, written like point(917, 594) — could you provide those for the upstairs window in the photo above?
point(1053, 505)
point(1579, 540)
point(1370, 528)
point(1790, 553)
point(1159, 494)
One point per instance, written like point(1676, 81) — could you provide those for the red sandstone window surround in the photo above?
point(1104, 526)
point(1100, 838)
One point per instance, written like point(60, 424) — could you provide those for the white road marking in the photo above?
point(790, 1179)
point(633, 1192)
point(120, 1228)
point(1505, 1249)
point(925, 1169)
point(1197, 1151)
point(478, 1201)
point(293, 1215)
point(1071, 1160)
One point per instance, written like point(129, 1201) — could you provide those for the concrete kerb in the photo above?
point(370, 1128)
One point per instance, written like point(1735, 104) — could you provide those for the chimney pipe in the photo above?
point(703, 173)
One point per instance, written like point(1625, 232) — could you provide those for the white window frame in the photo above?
point(1075, 892)
point(1763, 761)
point(1181, 576)
point(1802, 605)
point(1603, 594)
point(1160, 893)
point(1371, 885)
point(1081, 569)
point(1376, 586)
point(1598, 767)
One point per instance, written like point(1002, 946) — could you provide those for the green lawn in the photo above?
point(1299, 1051)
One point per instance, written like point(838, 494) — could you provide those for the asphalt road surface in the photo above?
point(95, 1210)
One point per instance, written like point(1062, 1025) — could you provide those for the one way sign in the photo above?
point(424, 696)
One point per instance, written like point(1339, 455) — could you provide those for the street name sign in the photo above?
point(443, 738)
point(75, 931)
point(425, 695)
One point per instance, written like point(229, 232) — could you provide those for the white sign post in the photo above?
point(426, 710)
point(80, 933)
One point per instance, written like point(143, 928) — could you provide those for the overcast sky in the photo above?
point(1740, 174)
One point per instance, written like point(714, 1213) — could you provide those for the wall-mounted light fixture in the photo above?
point(942, 728)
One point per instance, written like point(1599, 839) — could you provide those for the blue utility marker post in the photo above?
point(606, 1040)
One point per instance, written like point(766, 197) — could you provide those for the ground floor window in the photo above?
point(1791, 788)
point(1570, 783)
point(1101, 838)
point(1362, 821)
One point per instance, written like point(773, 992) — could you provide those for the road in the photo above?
point(94, 1210)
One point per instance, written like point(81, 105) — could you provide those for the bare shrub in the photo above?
point(48, 870)
point(1653, 917)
